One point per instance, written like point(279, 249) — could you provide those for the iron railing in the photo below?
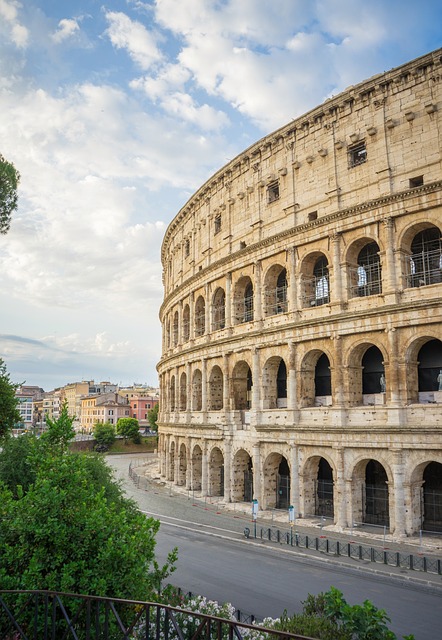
point(50, 615)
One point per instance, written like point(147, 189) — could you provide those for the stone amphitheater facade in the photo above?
point(302, 356)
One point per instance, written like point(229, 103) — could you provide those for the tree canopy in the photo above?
point(9, 180)
point(9, 414)
point(129, 428)
point(152, 416)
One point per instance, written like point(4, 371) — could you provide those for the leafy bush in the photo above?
point(129, 428)
point(104, 434)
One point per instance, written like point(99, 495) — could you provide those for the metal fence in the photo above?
point(353, 550)
point(49, 615)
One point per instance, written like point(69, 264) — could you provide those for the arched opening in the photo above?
point(432, 497)
point(429, 370)
point(274, 383)
point(175, 328)
point(242, 386)
point(276, 291)
point(281, 385)
point(182, 466)
point(323, 392)
point(367, 277)
point(172, 394)
point(317, 286)
point(216, 472)
point(373, 372)
point(425, 261)
point(215, 399)
point(183, 392)
point(219, 310)
point(276, 482)
point(171, 475)
point(197, 468)
point(197, 391)
point(242, 473)
point(324, 505)
point(243, 300)
point(375, 502)
point(186, 323)
point(200, 317)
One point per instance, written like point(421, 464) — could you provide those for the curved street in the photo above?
point(262, 578)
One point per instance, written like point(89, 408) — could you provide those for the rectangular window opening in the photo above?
point(217, 224)
point(357, 154)
point(273, 191)
point(313, 215)
point(417, 181)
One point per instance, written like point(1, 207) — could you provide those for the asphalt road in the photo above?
point(216, 560)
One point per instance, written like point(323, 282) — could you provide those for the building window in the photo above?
point(135, 406)
point(217, 224)
point(418, 181)
point(187, 248)
point(313, 215)
point(273, 192)
point(357, 154)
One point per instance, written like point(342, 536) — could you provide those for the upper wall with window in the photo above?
point(374, 140)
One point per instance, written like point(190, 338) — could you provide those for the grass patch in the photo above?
point(146, 445)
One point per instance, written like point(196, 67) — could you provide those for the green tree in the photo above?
point(17, 466)
point(9, 180)
point(152, 416)
point(104, 434)
point(129, 428)
point(74, 530)
point(60, 432)
point(9, 414)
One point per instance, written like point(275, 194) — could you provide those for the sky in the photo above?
point(114, 112)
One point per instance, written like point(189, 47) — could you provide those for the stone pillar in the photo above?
point(294, 479)
point(166, 458)
point(188, 389)
point(257, 475)
point(192, 316)
point(204, 469)
point(257, 303)
point(228, 300)
point(226, 385)
point(292, 402)
point(204, 384)
point(292, 297)
point(207, 308)
point(336, 294)
point(349, 498)
point(180, 323)
point(389, 256)
point(339, 497)
point(227, 470)
point(337, 379)
point(398, 499)
point(177, 389)
point(393, 368)
point(256, 395)
point(188, 464)
point(176, 470)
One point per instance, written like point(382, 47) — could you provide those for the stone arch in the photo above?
point(421, 249)
point(364, 268)
point(216, 384)
point(172, 393)
point(274, 383)
point(308, 377)
point(242, 477)
point(318, 475)
point(243, 300)
point(197, 390)
point(276, 483)
point(218, 309)
point(216, 472)
point(426, 496)
point(200, 316)
point(315, 280)
point(275, 290)
point(182, 465)
point(242, 386)
point(183, 392)
point(197, 467)
point(365, 371)
point(371, 480)
point(323, 386)
point(186, 323)
point(414, 383)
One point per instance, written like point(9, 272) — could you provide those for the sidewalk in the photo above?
point(431, 546)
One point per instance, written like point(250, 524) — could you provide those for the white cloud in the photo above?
point(66, 29)
point(18, 32)
point(133, 36)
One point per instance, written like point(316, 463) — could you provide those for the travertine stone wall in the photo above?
point(302, 314)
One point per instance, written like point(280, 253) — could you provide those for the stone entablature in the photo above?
point(302, 318)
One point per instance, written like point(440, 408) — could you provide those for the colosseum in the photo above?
point(302, 355)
